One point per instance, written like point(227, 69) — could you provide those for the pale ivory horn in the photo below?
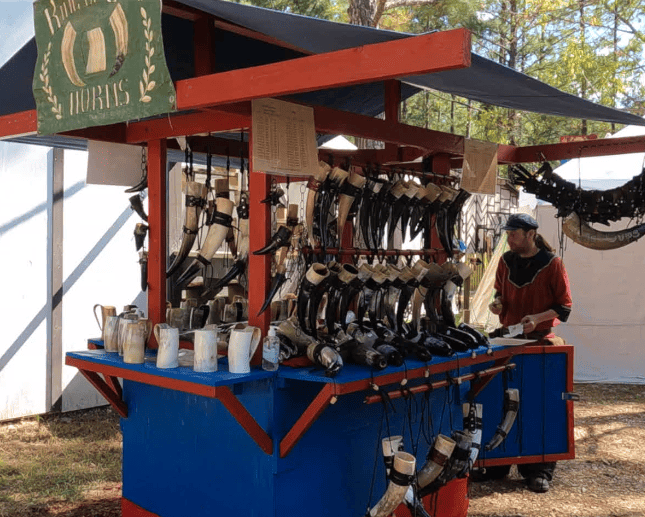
point(217, 232)
point(194, 191)
point(214, 239)
point(582, 233)
point(345, 201)
point(312, 187)
point(404, 465)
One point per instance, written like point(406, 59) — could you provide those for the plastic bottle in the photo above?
point(270, 351)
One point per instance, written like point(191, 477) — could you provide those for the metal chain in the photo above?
point(144, 161)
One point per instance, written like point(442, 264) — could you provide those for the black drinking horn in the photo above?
point(400, 206)
point(278, 280)
point(143, 262)
point(279, 239)
point(334, 294)
point(137, 205)
point(237, 269)
point(319, 291)
point(315, 275)
point(273, 198)
point(140, 232)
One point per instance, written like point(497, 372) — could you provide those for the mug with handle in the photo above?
point(242, 344)
point(134, 345)
point(106, 311)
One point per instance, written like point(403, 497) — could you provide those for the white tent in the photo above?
point(607, 323)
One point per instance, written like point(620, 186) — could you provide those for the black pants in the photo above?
point(526, 470)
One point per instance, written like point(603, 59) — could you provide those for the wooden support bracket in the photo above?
point(113, 393)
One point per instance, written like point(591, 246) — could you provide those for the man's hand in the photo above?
point(529, 323)
point(496, 306)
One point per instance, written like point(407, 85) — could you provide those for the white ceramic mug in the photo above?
point(242, 344)
point(111, 334)
point(205, 346)
point(134, 346)
point(168, 345)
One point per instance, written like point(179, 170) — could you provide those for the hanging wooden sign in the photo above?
point(99, 62)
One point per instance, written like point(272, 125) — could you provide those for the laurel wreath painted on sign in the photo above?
point(57, 109)
point(147, 85)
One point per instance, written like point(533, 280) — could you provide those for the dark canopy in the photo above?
point(484, 81)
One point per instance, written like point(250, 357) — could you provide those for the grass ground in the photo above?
point(70, 465)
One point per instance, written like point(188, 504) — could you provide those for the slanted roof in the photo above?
point(484, 81)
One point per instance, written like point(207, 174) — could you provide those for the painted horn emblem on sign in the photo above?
point(96, 56)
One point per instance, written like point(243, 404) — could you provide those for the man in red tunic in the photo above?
point(531, 288)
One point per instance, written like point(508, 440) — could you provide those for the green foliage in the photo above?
point(589, 48)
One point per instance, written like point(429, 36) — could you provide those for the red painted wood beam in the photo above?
point(570, 150)
point(336, 122)
point(435, 52)
point(157, 235)
point(18, 124)
point(313, 411)
point(129, 509)
point(259, 234)
point(186, 124)
point(108, 393)
point(144, 378)
point(392, 103)
point(244, 418)
point(114, 133)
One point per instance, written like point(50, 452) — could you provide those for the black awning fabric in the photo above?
point(484, 81)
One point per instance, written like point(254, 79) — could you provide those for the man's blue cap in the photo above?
point(520, 222)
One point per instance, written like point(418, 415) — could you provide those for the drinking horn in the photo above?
point(426, 207)
point(220, 222)
point(236, 269)
point(400, 206)
point(369, 199)
point(325, 356)
point(349, 293)
point(582, 233)
point(273, 198)
point(308, 293)
point(511, 407)
point(137, 205)
point(315, 181)
point(143, 262)
point(350, 190)
point(291, 221)
point(460, 458)
point(322, 292)
point(436, 460)
point(325, 199)
point(338, 285)
point(473, 428)
point(281, 238)
point(278, 280)
point(401, 477)
point(195, 201)
point(140, 232)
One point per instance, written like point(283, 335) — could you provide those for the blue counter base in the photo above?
point(184, 453)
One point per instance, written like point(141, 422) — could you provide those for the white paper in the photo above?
point(284, 138)
point(515, 330)
point(113, 164)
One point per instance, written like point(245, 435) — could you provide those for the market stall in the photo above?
point(202, 435)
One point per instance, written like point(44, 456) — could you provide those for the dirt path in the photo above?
point(607, 478)
point(69, 465)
